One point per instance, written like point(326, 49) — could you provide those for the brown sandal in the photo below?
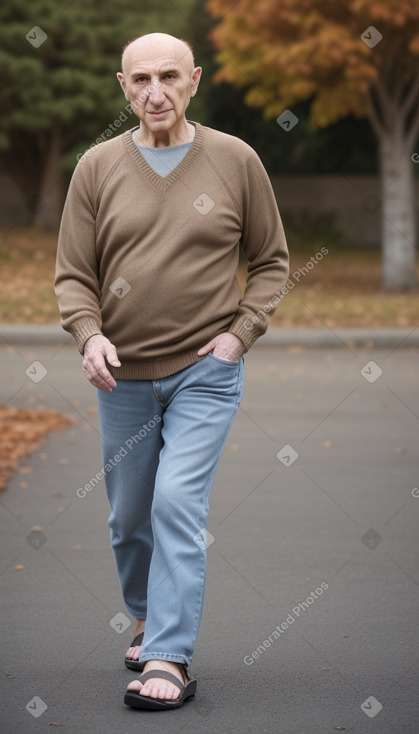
point(135, 664)
point(136, 700)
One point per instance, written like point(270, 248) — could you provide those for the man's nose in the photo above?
point(156, 95)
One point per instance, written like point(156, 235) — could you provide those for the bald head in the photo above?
point(155, 45)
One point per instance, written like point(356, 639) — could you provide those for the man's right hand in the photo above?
point(97, 350)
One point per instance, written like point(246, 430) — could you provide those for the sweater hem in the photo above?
point(154, 369)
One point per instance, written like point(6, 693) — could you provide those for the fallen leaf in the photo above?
point(295, 349)
point(19, 567)
point(22, 430)
point(37, 529)
point(400, 450)
point(25, 469)
point(328, 445)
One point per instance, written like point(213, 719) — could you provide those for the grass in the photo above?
point(341, 290)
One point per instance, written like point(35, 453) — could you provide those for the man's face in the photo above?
point(159, 83)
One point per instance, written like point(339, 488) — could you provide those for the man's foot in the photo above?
point(133, 652)
point(159, 687)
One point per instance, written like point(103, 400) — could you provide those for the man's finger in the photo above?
point(111, 356)
point(97, 373)
point(100, 382)
point(104, 377)
point(100, 385)
point(206, 348)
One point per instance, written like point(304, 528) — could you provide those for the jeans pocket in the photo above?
point(224, 361)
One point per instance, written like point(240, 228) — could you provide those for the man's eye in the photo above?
point(169, 76)
point(140, 79)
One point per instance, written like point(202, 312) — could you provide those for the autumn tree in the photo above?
point(353, 57)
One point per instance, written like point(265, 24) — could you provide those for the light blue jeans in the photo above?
point(162, 441)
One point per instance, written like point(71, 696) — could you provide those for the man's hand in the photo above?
point(98, 349)
point(225, 345)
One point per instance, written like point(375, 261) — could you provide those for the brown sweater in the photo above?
point(150, 262)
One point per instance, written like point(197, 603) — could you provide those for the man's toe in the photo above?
point(158, 688)
point(133, 653)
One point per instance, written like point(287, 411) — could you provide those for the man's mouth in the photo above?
point(157, 113)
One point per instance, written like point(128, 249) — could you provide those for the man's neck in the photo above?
point(183, 133)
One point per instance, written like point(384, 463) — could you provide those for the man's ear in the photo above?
point(196, 76)
point(121, 80)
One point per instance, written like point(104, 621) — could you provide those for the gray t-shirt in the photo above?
point(164, 160)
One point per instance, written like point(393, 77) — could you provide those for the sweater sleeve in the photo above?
point(264, 245)
point(77, 277)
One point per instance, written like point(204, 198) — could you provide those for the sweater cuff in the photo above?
point(83, 329)
point(246, 330)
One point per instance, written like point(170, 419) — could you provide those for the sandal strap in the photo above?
point(162, 674)
point(137, 640)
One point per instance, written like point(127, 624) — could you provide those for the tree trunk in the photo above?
point(398, 214)
point(51, 192)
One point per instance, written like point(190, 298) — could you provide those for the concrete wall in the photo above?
point(349, 203)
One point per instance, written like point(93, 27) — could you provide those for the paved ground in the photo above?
point(310, 624)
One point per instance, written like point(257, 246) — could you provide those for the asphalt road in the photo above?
point(311, 615)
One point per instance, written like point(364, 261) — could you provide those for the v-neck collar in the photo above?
point(164, 182)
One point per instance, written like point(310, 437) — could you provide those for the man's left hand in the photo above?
point(226, 346)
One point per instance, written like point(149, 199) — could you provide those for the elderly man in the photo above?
point(146, 284)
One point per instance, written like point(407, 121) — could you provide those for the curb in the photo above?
point(276, 336)
point(321, 337)
point(30, 334)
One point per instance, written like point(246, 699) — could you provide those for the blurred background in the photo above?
point(327, 93)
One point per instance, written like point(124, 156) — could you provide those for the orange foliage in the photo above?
point(312, 49)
